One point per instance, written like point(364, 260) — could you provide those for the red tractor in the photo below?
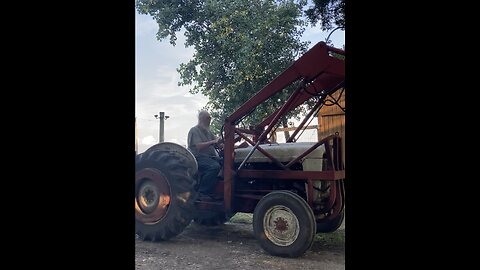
point(293, 189)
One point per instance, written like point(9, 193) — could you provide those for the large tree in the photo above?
point(329, 13)
point(240, 45)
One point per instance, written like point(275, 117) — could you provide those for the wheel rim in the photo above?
point(281, 225)
point(148, 197)
point(152, 197)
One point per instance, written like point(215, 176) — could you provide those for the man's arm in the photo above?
point(204, 145)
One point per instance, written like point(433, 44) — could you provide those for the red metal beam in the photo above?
point(228, 148)
point(339, 201)
point(315, 87)
point(310, 192)
point(336, 67)
point(319, 71)
point(315, 146)
point(308, 66)
point(246, 131)
point(278, 84)
point(292, 175)
point(305, 119)
point(304, 154)
point(328, 152)
point(283, 110)
point(265, 153)
point(263, 136)
point(332, 197)
point(339, 51)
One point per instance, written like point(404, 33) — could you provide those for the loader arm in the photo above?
point(317, 73)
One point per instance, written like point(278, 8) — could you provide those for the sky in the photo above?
point(156, 83)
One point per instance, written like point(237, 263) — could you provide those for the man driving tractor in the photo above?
point(202, 142)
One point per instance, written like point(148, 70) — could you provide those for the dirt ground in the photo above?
point(233, 246)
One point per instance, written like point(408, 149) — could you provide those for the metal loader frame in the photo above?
point(319, 75)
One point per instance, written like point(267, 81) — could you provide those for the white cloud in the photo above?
point(144, 25)
point(162, 84)
point(149, 140)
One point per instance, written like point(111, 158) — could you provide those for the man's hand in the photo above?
point(204, 145)
point(218, 143)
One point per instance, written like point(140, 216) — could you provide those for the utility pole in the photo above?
point(162, 118)
point(162, 126)
point(136, 137)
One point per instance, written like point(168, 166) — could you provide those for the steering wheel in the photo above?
point(219, 149)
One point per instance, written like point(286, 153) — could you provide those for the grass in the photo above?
point(333, 238)
point(242, 218)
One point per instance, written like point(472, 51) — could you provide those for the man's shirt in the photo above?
point(198, 135)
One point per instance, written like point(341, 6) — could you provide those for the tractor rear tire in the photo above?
point(284, 224)
point(164, 195)
point(331, 225)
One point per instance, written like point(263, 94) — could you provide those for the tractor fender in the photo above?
point(177, 149)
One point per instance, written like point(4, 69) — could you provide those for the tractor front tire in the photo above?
point(284, 224)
